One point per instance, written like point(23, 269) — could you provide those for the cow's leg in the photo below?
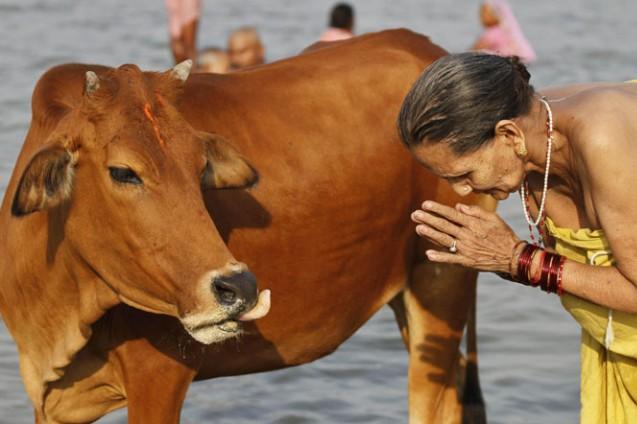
point(437, 303)
point(157, 363)
point(400, 313)
point(155, 383)
point(472, 402)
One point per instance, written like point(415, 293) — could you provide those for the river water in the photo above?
point(528, 345)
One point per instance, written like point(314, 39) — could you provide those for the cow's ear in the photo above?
point(225, 167)
point(46, 182)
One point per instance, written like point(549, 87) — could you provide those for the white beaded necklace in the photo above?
point(523, 194)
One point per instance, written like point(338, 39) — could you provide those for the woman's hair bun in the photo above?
point(520, 68)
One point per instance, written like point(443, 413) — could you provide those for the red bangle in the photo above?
point(558, 286)
point(524, 264)
point(551, 276)
point(545, 279)
point(550, 272)
point(535, 281)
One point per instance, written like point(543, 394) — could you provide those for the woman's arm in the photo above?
point(607, 164)
point(486, 243)
point(603, 285)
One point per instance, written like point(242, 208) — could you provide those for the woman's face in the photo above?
point(493, 169)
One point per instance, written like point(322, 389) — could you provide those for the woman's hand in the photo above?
point(483, 240)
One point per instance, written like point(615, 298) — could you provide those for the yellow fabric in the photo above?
point(609, 375)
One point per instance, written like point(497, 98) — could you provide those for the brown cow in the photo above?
point(327, 229)
point(104, 207)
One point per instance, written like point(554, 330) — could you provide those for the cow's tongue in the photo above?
point(260, 309)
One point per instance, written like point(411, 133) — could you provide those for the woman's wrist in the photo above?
point(533, 266)
point(518, 247)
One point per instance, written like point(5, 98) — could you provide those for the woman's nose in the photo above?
point(462, 188)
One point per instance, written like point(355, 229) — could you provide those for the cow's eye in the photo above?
point(124, 175)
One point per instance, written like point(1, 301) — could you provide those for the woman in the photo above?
point(502, 33)
point(475, 120)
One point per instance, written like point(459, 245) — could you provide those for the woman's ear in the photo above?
point(510, 134)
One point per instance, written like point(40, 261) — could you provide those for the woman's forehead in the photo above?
point(442, 160)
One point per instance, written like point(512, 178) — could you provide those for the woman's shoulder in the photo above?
point(601, 126)
point(599, 113)
point(588, 92)
point(605, 95)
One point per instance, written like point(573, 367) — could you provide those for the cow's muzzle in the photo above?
point(237, 300)
point(237, 292)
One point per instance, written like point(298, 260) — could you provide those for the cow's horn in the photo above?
point(182, 70)
point(92, 82)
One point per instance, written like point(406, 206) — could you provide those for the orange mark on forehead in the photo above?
point(153, 121)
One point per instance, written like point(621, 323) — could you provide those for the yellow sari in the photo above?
point(609, 338)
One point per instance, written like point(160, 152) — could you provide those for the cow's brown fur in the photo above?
point(327, 230)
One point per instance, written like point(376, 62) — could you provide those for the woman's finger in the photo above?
point(437, 237)
point(438, 223)
point(417, 216)
point(474, 211)
point(446, 257)
point(446, 211)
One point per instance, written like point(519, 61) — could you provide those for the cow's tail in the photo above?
point(474, 411)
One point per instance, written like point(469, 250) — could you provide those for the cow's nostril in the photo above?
point(225, 292)
point(237, 290)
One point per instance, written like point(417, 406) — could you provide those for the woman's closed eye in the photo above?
point(458, 178)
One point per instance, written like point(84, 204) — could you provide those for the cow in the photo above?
point(104, 207)
point(326, 229)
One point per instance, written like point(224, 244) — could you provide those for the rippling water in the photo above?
point(528, 344)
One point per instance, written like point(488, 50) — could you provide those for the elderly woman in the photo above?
point(475, 120)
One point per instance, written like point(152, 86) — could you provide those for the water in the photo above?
point(528, 345)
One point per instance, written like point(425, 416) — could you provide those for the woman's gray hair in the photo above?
point(461, 97)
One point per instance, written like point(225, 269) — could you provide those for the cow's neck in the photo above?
point(72, 298)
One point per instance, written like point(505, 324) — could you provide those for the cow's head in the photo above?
point(127, 171)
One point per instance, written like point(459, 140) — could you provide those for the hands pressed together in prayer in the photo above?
point(483, 241)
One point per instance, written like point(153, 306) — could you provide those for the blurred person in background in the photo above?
point(341, 23)
point(245, 48)
point(502, 33)
point(213, 60)
point(183, 19)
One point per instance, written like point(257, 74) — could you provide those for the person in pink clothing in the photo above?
point(502, 34)
point(183, 18)
point(341, 24)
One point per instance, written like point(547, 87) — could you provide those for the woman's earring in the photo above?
point(522, 152)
